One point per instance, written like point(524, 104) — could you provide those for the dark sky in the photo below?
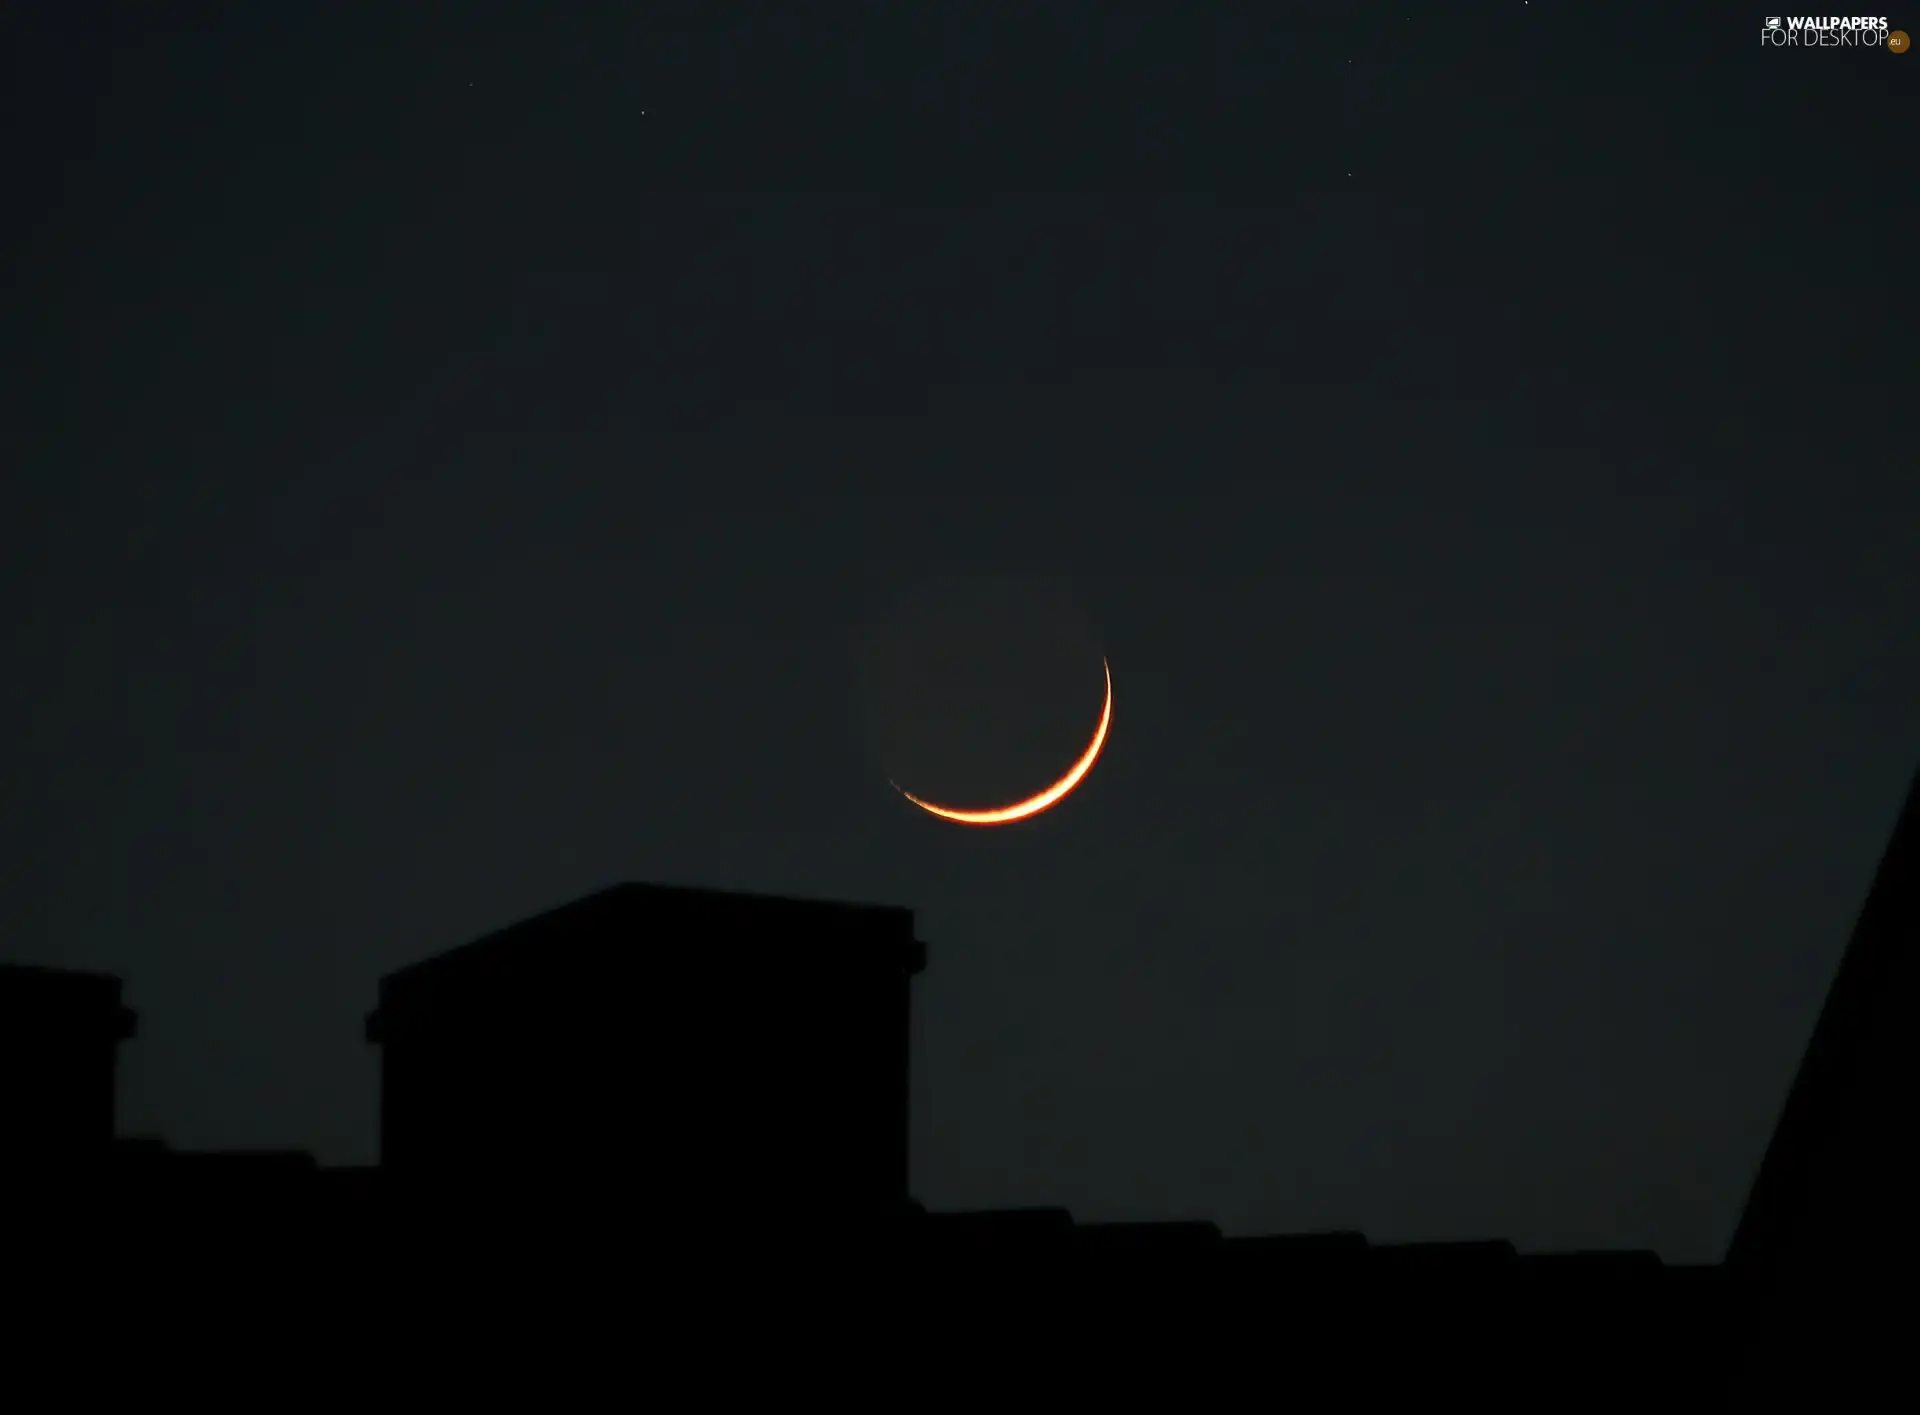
point(453, 462)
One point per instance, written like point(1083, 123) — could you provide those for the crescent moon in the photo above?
point(1033, 805)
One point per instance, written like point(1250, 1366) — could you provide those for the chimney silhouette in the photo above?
point(677, 1050)
point(60, 1035)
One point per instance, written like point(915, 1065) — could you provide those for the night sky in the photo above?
point(451, 462)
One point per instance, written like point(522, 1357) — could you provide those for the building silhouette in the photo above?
point(709, 1053)
point(655, 1069)
point(60, 1035)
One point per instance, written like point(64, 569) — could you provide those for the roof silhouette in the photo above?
point(643, 928)
point(718, 1071)
point(1830, 1192)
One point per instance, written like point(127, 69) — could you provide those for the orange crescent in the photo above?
point(1033, 805)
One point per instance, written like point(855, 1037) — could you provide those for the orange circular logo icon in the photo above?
point(1898, 42)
